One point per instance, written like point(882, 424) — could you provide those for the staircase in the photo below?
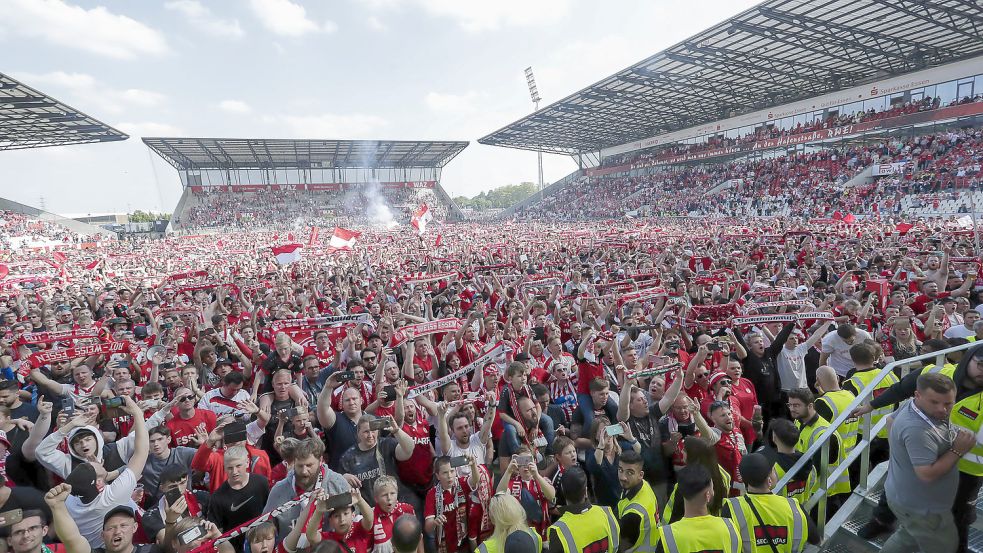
point(840, 530)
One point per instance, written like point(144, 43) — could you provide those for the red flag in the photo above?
point(315, 231)
point(903, 228)
point(849, 219)
point(837, 216)
point(420, 218)
point(93, 265)
point(287, 253)
point(439, 241)
point(4, 271)
point(343, 238)
point(59, 257)
point(290, 237)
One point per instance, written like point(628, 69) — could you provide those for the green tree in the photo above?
point(140, 216)
point(501, 197)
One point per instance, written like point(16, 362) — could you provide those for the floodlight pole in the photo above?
point(534, 96)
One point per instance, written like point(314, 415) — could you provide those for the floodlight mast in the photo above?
point(534, 96)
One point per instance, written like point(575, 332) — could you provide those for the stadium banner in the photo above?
point(885, 169)
point(310, 322)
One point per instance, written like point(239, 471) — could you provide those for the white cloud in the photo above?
point(484, 16)
point(331, 125)
point(202, 18)
point(149, 128)
point(234, 106)
point(286, 18)
point(84, 90)
point(457, 103)
point(95, 30)
point(376, 24)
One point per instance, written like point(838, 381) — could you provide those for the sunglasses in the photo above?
point(185, 398)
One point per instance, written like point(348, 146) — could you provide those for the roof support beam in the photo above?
point(940, 15)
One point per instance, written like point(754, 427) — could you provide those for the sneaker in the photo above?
point(872, 529)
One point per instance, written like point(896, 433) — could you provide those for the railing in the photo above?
point(862, 450)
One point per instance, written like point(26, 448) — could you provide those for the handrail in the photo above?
point(862, 449)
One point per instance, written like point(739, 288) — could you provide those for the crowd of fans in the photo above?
point(291, 209)
point(811, 184)
point(519, 386)
point(654, 154)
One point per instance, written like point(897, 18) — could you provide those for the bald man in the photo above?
point(833, 402)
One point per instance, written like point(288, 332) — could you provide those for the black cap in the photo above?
point(119, 510)
point(523, 357)
point(224, 361)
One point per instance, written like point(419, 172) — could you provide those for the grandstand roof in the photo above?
point(774, 53)
point(251, 153)
point(32, 119)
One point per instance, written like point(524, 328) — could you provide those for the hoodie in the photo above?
point(906, 387)
point(112, 456)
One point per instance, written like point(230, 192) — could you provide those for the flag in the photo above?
point(4, 271)
point(93, 265)
point(59, 257)
point(315, 231)
point(439, 241)
point(420, 218)
point(966, 221)
point(837, 216)
point(849, 219)
point(903, 228)
point(343, 238)
point(287, 253)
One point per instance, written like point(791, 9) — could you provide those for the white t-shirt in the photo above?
point(88, 517)
point(475, 448)
point(792, 367)
point(839, 351)
point(959, 331)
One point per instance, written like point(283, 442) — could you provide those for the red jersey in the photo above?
point(358, 539)
point(182, 430)
point(382, 523)
point(418, 469)
point(587, 371)
point(454, 504)
point(324, 357)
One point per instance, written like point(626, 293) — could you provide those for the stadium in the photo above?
point(746, 321)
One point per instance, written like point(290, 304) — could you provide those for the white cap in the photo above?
point(803, 289)
point(688, 253)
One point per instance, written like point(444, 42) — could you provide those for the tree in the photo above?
point(140, 216)
point(501, 197)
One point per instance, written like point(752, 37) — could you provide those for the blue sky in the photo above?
point(345, 69)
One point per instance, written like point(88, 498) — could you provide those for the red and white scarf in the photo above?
point(460, 508)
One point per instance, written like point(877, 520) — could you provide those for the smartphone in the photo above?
point(379, 424)
point(172, 495)
point(125, 363)
point(11, 517)
point(289, 413)
point(169, 365)
point(459, 461)
point(713, 346)
point(68, 408)
point(614, 430)
point(389, 392)
point(523, 460)
point(113, 402)
point(336, 501)
point(346, 376)
point(191, 535)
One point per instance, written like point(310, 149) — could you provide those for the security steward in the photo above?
point(768, 523)
point(638, 510)
point(583, 527)
point(698, 530)
point(966, 414)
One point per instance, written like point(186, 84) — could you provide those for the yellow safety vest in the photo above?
point(667, 513)
point(783, 523)
point(595, 529)
point(808, 435)
point(837, 402)
point(646, 506)
point(948, 369)
point(697, 534)
point(968, 415)
point(800, 490)
point(860, 380)
point(492, 546)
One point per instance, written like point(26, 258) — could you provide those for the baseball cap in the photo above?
point(119, 510)
point(802, 289)
point(522, 357)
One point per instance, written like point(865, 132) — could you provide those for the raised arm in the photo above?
point(39, 431)
point(65, 527)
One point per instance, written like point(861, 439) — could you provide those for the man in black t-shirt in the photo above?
point(241, 497)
